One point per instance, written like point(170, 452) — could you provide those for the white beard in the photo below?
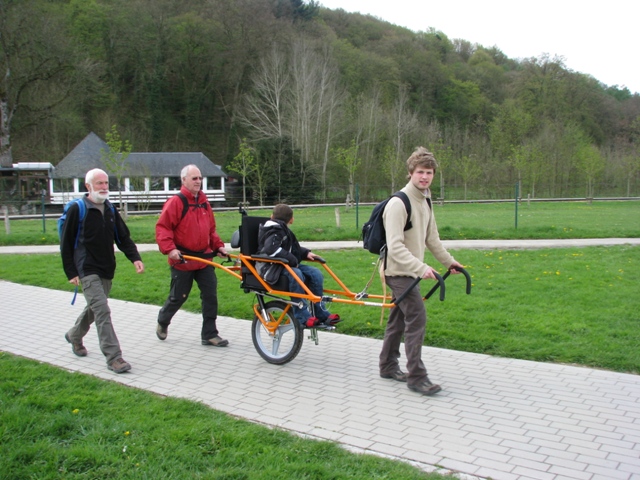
point(97, 197)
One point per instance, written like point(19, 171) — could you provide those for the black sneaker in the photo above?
point(425, 388)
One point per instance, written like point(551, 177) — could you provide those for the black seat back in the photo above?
point(249, 234)
point(249, 229)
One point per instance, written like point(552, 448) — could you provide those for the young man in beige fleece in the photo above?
point(405, 263)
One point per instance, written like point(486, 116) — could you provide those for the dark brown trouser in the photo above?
point(409, 318)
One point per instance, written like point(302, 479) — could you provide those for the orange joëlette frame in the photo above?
point(341, 295)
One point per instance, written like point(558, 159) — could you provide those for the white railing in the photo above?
point(148, 198)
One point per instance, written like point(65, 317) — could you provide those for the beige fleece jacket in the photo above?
point(405, 250)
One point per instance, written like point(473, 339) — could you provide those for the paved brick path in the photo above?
point(495, 418)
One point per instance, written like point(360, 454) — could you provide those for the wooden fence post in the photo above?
point(7, 225)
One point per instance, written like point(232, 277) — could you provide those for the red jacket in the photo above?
point(195, 232)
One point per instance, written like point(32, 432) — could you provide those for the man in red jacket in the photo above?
point(187, 226)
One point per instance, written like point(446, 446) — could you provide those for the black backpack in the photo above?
point(374, 236)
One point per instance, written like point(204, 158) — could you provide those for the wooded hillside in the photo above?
point(307, 102)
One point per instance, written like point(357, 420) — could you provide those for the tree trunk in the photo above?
point(6, 158)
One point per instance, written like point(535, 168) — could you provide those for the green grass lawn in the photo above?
point(60, 425)
point(540, 220)
point(576, 306)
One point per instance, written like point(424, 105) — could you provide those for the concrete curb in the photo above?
point(449, 244)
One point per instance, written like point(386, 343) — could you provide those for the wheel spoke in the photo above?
point(275, 344)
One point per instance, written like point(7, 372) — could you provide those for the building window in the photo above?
point(61, 185)
point(175, 183)
point(136, 184)
point(156, 184)
point(214, 183)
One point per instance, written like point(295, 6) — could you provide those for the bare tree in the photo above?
point(331, 99)
point(403, 123)
point(315, 98)
point(295, 95)
point(263, 110)
point(365, 125)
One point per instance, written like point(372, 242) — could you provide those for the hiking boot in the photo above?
point(398, 376)
point(119, 365)
point(161, 331)
point(216, 342)
point(425, 388)
point(76, 347)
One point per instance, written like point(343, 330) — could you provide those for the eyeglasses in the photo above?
point(196, 178)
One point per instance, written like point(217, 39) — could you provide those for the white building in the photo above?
point(148, 178)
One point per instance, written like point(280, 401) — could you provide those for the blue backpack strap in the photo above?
point(82, 212)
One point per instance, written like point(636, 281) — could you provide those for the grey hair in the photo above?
point(92, 173)
point(185, 170)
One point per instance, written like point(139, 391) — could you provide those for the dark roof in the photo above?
point(88, 154)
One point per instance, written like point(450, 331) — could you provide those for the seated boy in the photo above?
point(278, 241)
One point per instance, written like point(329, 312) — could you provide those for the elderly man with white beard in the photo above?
point(88, 259)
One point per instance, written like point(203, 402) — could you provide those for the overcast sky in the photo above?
point(599, 39)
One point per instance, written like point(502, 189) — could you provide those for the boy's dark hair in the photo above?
point(423, 158)
point(283, 212)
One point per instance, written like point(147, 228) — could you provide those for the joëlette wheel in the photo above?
point(281, 339)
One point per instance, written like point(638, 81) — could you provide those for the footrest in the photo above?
point(322, 326)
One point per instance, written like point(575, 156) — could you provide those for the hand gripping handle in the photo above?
point(416, 281)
